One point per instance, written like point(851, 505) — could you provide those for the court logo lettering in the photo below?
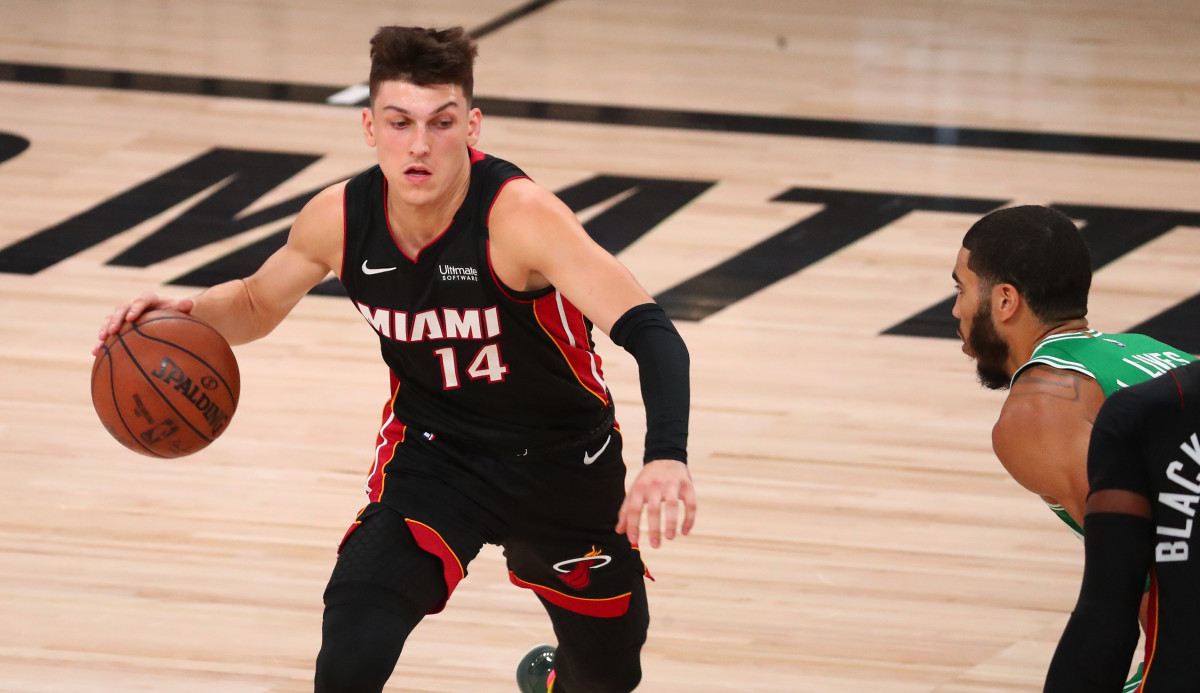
point(219, 185)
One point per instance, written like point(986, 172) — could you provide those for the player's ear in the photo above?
point(368, 122)
point(1006, 300)
point(474, 125)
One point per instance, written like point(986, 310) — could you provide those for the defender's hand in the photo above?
point(131, 310)
point(661, 482)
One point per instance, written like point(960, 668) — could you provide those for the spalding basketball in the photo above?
point(165, 385)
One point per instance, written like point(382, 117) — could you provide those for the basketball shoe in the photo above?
point(535, 673)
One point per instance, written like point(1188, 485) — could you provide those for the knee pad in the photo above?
point(360, 643)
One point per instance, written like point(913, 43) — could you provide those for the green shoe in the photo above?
point(536, 669)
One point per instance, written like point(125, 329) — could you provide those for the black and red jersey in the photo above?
point(1147, 440)
point(471, 359)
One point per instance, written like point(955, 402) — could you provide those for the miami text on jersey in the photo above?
point(428, 325)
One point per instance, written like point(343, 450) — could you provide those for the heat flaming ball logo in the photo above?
point(577, 572)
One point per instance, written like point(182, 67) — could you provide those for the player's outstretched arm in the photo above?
point(1041, 436)
point(537, 240)
point(243, 310)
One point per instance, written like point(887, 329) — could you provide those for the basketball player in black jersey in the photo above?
point(483, 289)
point(1144, 476)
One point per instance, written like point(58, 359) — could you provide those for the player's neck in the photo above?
point(1077, 325)
point(1039, 331)
point(416, 225)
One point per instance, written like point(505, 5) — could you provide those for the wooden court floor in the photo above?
point(812, 164)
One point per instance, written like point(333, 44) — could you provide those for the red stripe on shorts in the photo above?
point(611, 607)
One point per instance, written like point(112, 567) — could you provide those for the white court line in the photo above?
point(350, 95)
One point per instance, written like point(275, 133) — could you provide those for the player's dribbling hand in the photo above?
point(658, 488)
point(130, 310)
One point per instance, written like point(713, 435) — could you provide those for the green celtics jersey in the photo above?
point(1112, 360)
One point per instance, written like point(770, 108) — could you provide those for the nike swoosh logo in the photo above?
point(588, 459)
point(377, 270)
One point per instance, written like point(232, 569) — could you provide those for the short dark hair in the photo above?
point(423, 57)
point(1040, 252)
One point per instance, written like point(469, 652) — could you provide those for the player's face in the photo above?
point(977, 329)
point(421, 135)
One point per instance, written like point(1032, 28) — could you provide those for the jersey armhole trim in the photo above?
point(1063, 515)
point(508, 292)
point(345, 227)
point(487, 221)
point(1179, 387)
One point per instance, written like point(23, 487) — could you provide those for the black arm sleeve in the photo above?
point(663, 362)
point(1098, 644)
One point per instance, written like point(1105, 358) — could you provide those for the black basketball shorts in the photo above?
point(554, 514)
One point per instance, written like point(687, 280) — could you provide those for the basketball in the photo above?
point(165, 385)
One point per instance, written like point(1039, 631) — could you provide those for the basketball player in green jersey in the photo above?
point(1023, 276)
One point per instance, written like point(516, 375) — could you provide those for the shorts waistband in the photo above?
point(606, 422)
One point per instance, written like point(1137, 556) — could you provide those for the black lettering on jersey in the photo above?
point(1111, 232)
point(846, 218)
point(241, 177)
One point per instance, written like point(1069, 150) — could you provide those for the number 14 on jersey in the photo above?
point(486, 364)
